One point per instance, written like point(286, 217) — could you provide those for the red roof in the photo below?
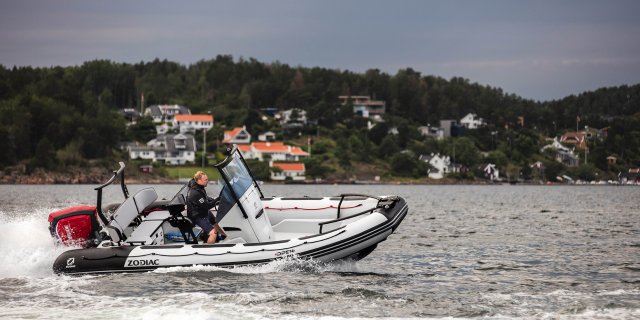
point(576, 138)
point(244, 147)
point(231, 134)
point(296, 151)
point(290, 166)
point(194, 117)
point(270, 147)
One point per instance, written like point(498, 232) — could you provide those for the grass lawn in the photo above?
point(183, 172)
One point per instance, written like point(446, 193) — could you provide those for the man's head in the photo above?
point(201, 178)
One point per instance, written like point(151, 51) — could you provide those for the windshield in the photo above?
point(237, 176)
point(235, 180)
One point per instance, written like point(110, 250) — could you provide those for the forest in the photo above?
point(55, 117)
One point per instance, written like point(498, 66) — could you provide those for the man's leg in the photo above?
point(207, 228)
point(213, 236)
point(219, 231)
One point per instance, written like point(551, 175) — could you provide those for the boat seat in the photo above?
point(128, 211)
point(147, 231)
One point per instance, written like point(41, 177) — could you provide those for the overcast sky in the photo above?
point(536, 49)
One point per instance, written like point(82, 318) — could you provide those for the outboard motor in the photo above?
point(75, 226)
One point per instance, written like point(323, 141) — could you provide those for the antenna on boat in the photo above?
point(125, 191)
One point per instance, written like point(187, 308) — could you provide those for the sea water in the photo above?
point(490, 252)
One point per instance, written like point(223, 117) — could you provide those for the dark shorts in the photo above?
point(204, 223)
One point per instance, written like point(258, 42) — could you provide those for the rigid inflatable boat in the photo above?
point(144, 233)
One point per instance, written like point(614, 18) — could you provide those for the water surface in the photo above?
point(496, 252)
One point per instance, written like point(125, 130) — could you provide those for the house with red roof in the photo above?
point(192, 122)
point(288, 170)
point(575, 138)
point(273, 151)
point(238, 136)
point(245, 149)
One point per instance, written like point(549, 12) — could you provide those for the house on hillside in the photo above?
point(237, 136)
point(163, 128)
point(596, 134)
point(292, 116)
point(131, 115)
point(172, 149)
point(472, 121)
point(432, 132)
point(165, 113)
point(575, 138)
point(364, 107)
point(145, 152)
point(440, 164)
point(451, 128)
point(267, 136)
point(273, 151)
point(192, 122)
point(561, 153)
point(293, 171)
point(491, 172)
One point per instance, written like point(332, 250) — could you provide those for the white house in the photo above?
point(364, 106)
point(237, 136)
point(267, 136)
point(562, 154)
point(163, 128)
point(491, 172)
point(165, 113)
point(274, 151)
point(131, 115)
point(193, 122)
point(433, 132)
point(441, 165)
point(144, 152)
point(294, 171)
point(172, 149)
point(472, 121)
point(290, 116)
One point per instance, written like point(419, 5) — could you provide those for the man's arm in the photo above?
point(211, 202)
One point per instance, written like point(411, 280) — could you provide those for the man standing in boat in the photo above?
point(198, 206)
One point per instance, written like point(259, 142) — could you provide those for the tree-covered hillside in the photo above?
point(61, 116)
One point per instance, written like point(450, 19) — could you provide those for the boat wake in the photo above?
point(26, 248)
point(290, 264)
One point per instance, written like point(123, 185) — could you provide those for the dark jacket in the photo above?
point(198, 203)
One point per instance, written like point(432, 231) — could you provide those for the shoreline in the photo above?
point(95, 175)
point(161, 181)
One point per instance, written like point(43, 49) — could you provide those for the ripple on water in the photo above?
point(462, 251)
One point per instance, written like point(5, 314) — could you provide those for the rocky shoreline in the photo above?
point(71, 175)
point(98, 175)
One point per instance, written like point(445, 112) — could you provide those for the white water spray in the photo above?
point(26, 246)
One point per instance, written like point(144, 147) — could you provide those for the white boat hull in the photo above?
point(352, 236)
